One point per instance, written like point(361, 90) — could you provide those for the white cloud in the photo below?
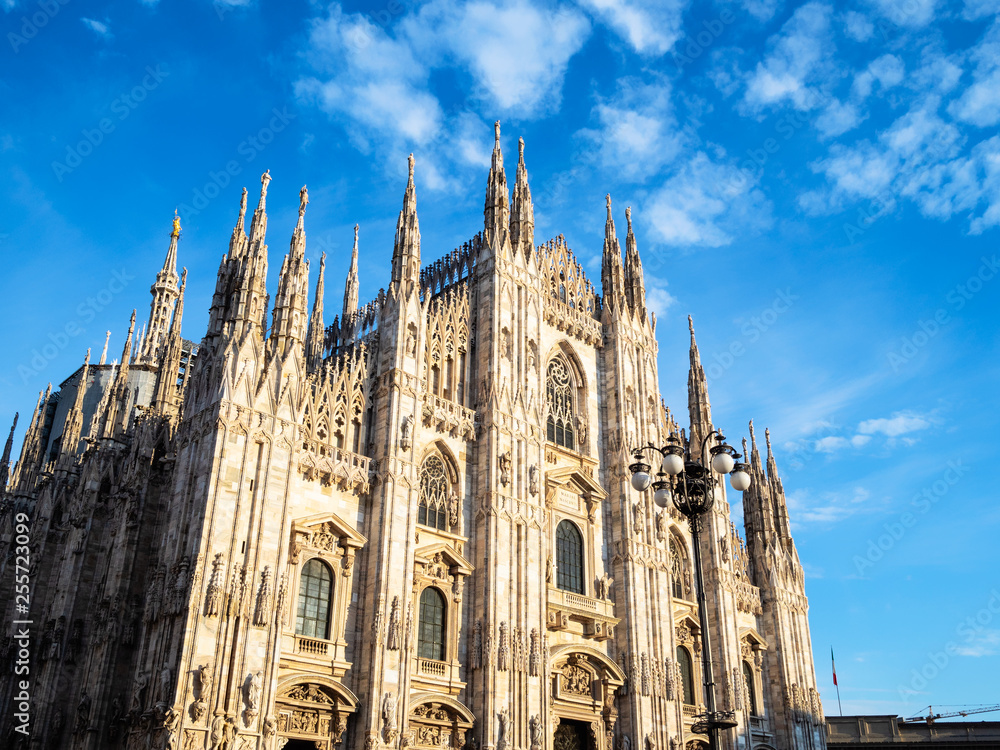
point(911, 14)
point(636, 133)
point(651, 27)
point(838, 118)
point(98, 27)
point(858, 26)
point(829, 507)
point(981, 643)
point(975, 9)
point(707, 204)
point(658, 299)
point(831, 444)
point(899, 423)
point(801, 53)
point(980, 102)
point(887, 70)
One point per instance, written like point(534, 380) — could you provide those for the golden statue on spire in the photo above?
point(176, 231)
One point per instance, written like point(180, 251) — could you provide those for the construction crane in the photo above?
point(931, 717)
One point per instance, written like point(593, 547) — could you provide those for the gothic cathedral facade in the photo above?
point(412, 527)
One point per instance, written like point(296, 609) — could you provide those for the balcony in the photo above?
point(570, 611)
point(311, 647)
point(433, 668)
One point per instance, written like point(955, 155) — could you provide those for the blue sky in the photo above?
point(818, 184)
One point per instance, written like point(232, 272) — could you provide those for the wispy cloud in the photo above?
point(650, 27)
point(982, 643)
point(98, 27)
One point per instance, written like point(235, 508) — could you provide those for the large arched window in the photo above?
point(430, 638)
point(315, 587)
point(560, 425)
point(687, 675)
point(433, 508)
point(569, 557)
point(750, 690)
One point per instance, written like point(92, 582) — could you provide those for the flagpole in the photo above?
point(833, 665)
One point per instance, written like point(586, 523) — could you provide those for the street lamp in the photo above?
point(683, 479)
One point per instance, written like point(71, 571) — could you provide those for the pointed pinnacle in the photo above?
point(303, 201)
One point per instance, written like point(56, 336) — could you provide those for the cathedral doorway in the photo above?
point(300, 745)
point(573, 735)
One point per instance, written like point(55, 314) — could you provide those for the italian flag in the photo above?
point(834, 664)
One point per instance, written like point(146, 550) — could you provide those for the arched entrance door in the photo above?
point(311, 715)
point(573, 735)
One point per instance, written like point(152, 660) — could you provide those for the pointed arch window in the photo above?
point(559, 427)
point(430, 637)
point(687, 675)
point(750, 689)
point(569, 557)
point(315, 587)
point(433, 507)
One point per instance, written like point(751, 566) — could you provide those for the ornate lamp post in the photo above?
point(683, 479)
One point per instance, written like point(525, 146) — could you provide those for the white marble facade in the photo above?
point(412, 527)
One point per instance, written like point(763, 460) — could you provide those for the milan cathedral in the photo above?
point(412, 527)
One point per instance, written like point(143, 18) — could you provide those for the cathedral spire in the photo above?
point(406, 249)
point(635, 290)
point(104, 351)
point(238, 242)
point(73, 426)
point(5, 460)
point(258, 227)
point(291, 301)
point(351, 286)
point(497, 209)
point(611, 264)
point(781, 522)
point(522, 215)
point(699, 409)
point(315, 336)
point(164, 292)
point(166, 397)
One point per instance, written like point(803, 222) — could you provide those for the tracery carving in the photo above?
point(393, 638)
point(503, 649)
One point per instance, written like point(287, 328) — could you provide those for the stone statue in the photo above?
point(166, 683)
point(139, 692)
point(548, 569)
point(453, 509)
point(505, 468)
point(83, 713)
point(394, 625)
point(661, 526)
point(405, 428)
point(251, 691)
point(389, 717)
point(503, 716)
point(533, 479)
point(535, 727)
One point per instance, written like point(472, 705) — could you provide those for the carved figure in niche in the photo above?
point(533, 480)
point(389, 717)
point(405, 428)
point(650, 742)
point(581, 431)
point(548, 569)
point(603, 586)
point(203, 680)
point(139, 692)
point(531, 356)
point(626, 742)
point(637, 518)
point(251, 691)
point(724, 548)
point(503, 717)
point(394, 625)
point(411, 340)
point(505, 468)
point(661, 526)
point(453, 509)
point(57, 637)
point(535, 729)
point(82, 713)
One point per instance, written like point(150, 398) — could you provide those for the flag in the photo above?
point(834, 665)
